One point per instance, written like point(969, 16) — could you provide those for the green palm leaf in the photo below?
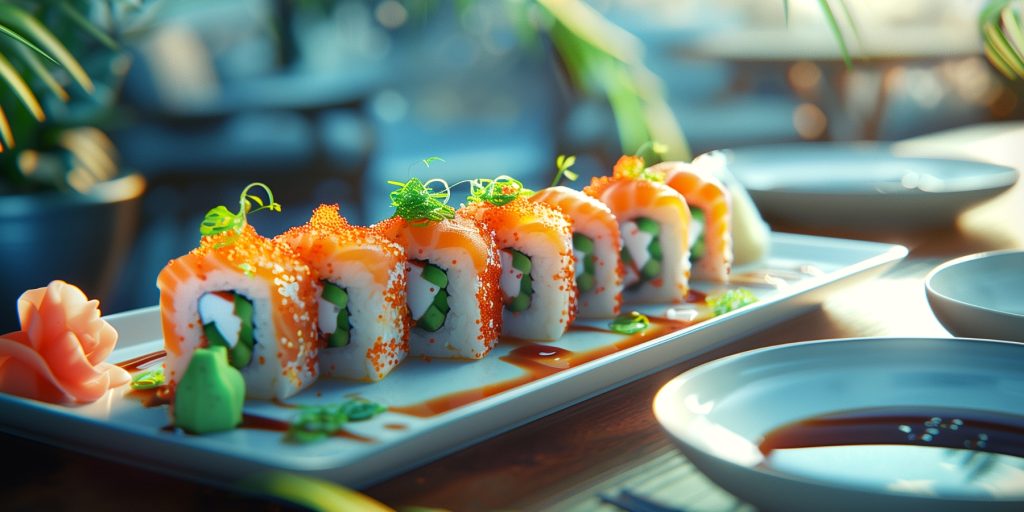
point(1001, 26)
point(18, 37)
point(37, 67)
point(5, 131)
point(21, 89)
point(88, 26)
point(29, 27)
point(836, 31)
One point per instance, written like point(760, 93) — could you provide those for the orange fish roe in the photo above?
point(291, 292)
point(520, 217)
point(327, 232)
point(344, 255)
point(470, 237)
point(628, 166)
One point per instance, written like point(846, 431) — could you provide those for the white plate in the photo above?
point(118, 427)
point(980, 296)
point(863, 185)
point(718, 413)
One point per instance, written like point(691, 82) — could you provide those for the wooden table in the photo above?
point(566, 460)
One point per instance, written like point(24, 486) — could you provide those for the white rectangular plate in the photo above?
point(497, 394)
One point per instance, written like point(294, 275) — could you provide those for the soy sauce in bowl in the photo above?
point(918, 450)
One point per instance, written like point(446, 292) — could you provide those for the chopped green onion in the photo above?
point(316, 423)
point(630, 323)
point(733, 299)
point(149, 379)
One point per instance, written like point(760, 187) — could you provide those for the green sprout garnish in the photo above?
point(656, 147)
point(220, 220)
point(430, 159)
point(417, 202)
point(630, 323)
point(317, 423)
point(499, 191)
point(148, 380)
point(733, 299)
point(564, 163)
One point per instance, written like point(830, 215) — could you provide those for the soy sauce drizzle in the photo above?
point(153, 397)
point(984, 431)
point(537, 361)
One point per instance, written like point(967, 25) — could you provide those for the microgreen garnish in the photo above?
point(316, 423)
point(499, 191)
point(417, 202)
point(656, 147)
point(219, 220)
point(430, 159)
point(564, 163)
point(630, 323)
point(733, 299)
point(148, 380)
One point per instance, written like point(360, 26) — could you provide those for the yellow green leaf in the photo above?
point(39, 68)
point(5, 130)
point(31, 28)
point(20, 88)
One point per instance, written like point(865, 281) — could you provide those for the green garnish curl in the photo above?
point(563, 163)
point(219, 220)
point(148, 380)
point(630, 323)
point(656, 147)
point(733, 299)
point(317, 423)
point(415, 201)
point(499, 191)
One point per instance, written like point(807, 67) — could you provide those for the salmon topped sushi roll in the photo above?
point(252, 295)
point(538, 280)
point(363, 321)
point(596, 245)
point(453, 269)
point(710, 234)
point(654, 222)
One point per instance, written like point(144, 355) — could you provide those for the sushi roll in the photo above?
point(537, 265)
point(453, 269)
point(654, 222)
point(710, 234)
point(363, 322)
point(596, 245)
point(249, 294)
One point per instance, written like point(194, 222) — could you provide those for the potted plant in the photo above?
point(67, 209)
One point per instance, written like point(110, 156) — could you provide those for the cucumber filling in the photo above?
point(334, 323)
point(227, 321)
point(697, 225)
point(583, 249)
point(516, 281)
point(641, 250)
point(427, 294)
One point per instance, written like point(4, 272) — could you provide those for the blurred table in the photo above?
point(610, 442)
point(815, 70)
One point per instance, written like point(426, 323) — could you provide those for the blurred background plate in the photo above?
point(719, 413)
point(863, 185)
point(981, 295)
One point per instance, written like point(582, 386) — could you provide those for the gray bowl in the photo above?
point(980, 296)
